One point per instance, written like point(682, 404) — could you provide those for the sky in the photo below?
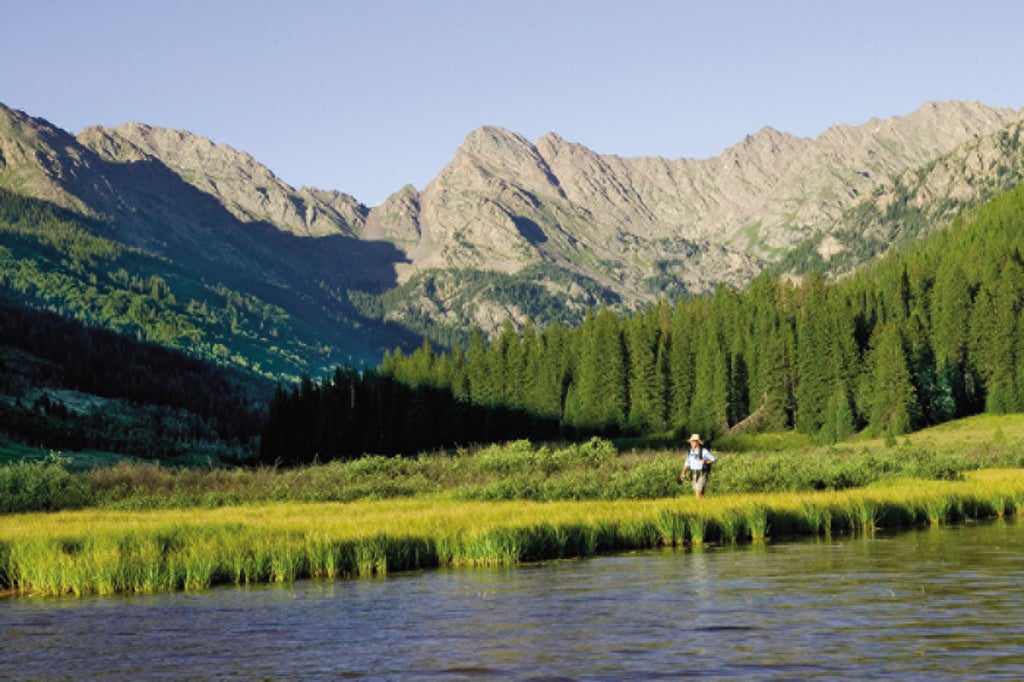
point(368, 96)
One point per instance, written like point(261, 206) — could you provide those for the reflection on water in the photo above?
point(938, 603)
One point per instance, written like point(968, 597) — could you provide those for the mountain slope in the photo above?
point(137, 201)
point(247, 189)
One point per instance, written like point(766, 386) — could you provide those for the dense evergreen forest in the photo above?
point(918, 337)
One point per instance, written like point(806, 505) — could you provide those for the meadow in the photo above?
point(140, 528)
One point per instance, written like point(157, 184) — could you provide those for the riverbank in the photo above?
point(110, 551)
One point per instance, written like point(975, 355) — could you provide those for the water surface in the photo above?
point(940, 603)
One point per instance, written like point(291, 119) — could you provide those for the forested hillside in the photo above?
point(88, 336)
point(66, 386)
point(52, 260)
point(555, 255)
point(917, 338)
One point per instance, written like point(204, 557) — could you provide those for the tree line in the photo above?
point(917, 338)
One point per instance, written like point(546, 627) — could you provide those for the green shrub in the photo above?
point(648, 480)
point(41, 486)
point(595, 452)
point(506, 458)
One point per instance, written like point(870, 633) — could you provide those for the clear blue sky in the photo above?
point(367, 96)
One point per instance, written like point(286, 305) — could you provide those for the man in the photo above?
point(697, 465)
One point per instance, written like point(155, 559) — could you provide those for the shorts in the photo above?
point(699, 479)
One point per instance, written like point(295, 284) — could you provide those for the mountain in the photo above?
point(503, 202)
point(508, 230)
point(257, 244)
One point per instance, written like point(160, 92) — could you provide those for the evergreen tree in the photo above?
point(484, 387)
point(646, 381)
point(814, 377)
point(993, 325)
point(839, 419)
point(510, 362)
point(709, 407)
point(733, 328)
point(419, 371)
point(950, 311)
point(548, 372)
point(682, 357)
point(599, 383)
point(983, 344)
point(890, 393)
point(778, 375)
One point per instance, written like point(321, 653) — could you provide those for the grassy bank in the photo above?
point(112, 551)
point(138, 527)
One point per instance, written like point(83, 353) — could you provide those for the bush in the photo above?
point(649, 480)
point(41, 486)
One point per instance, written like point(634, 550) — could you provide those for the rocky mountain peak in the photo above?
point(492, 157)
point(396, 220)
point(38, 159)
point(759, 198)
point(247, 188)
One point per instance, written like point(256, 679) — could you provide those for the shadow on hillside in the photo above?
point(144, 204)
point(530, 230)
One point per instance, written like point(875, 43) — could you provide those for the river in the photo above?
point(938, 603)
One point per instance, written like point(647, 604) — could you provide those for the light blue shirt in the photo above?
point(695, 458)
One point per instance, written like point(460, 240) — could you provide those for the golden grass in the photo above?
point(104, 552)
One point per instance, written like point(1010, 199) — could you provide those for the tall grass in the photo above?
point(112, 551)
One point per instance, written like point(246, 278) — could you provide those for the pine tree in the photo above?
point(950, 310)
point(710, 404)
point(814, 385)
point(682, 356)
point(510, 362)
point(599, 384)
point(993, 325)
point(890, 392)
point(548, 372)
point(839, 419)
point(646, 382)
point(484, 387)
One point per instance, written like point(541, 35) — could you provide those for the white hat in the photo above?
point(696, 437)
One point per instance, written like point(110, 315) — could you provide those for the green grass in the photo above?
point(780, 441)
